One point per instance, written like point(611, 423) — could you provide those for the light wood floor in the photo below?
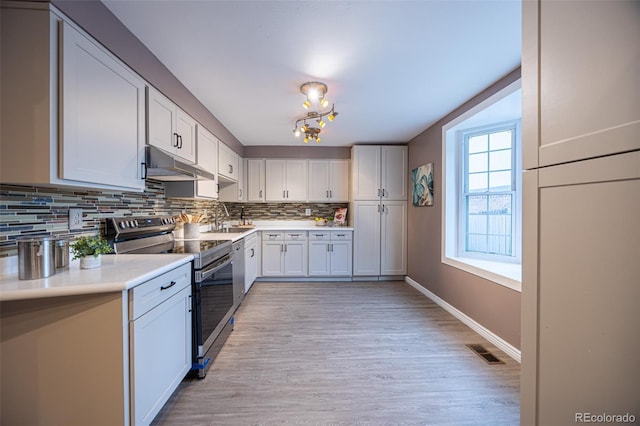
point(348, 353)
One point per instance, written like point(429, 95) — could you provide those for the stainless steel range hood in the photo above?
point(162, 166)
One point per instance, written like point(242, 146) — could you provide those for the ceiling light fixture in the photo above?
point(315, 93)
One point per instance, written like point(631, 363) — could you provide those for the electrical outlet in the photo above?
point(307, 212)
point(75, 219)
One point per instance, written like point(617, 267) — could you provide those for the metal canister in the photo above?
point(62, 252)
point(36, 257)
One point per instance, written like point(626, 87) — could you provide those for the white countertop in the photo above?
point(267, 226)
point(117, 273)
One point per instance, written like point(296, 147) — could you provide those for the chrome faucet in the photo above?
point(217, 224)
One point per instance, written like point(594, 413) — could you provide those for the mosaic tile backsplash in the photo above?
point(40, 211)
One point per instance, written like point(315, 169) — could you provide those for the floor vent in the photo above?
point(483, 353)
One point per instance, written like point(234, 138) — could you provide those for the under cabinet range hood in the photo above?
point(164, 167)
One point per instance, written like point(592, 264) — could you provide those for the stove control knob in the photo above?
point(123, 225)
point(135, 223)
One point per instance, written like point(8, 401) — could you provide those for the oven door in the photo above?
point(213, 309)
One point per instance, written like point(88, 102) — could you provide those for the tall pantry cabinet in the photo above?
point(378, 210)
point(581, 204)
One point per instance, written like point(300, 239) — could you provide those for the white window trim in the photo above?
point(502, 273)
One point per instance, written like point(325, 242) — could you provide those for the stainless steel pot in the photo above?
point(36, 257)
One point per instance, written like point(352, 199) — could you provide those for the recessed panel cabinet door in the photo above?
point(393, 241)
point(366, 238)
point(102, 116)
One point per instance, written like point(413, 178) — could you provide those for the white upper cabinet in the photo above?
point(207, 153)
point(379, 172)
point(566, 71)
point(256, 180)
point(228, 163)
point(328, 180)
point(72, 113)
point(102, 115)
point(366, 173)
point(170, 128)
point(286, 180)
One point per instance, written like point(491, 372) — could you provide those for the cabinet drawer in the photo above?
point(272, 236)
point(295, 236)
point(341, 235)
point(150, 294)
point(319, 235)
point(251, 239)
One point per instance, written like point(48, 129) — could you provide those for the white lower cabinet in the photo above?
point(380, 238)
point(251, 260)
point(160, 341)
point(284, 254)
point(330, 253)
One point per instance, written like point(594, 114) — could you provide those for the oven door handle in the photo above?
point(206, 273)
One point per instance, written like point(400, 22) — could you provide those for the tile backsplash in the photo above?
point(44, 211)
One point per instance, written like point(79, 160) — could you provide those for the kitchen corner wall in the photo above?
point(39, 211)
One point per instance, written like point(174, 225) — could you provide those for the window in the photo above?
point(488, 192)
point(482, 189)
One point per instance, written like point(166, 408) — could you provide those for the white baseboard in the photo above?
point(499, 342)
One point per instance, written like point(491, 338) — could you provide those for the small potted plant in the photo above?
point(89, 250)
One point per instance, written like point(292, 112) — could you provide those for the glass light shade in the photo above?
point(324, 102)
point(306, 104)
point(306, 139)
point(304, 127)
point(331, 117)
point(317, 140)
point(296, 132)
point(321, 123)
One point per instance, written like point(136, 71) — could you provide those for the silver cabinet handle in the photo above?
point(327, 194)
point(285, 248)
point(330, 194)
point(253, 252)
point(281, 248)
point(284, 194)
point(176, 144)
point(230, 168)
point(239, 193)
point(287, 193)
point(328, 247)
point(260, 194)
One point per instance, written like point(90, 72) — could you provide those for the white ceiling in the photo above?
point(392, 67)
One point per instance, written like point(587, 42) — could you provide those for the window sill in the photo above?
point(505, 274)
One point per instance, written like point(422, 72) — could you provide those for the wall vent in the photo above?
point(483, 353)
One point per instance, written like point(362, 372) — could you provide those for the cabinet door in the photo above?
point(227, 162)
point(319, 258)
point(339, 181)
point(366, 238)
point(275, 180)
point(341, 258)
point(255, 180)
point(582, 113)
point(161, 121)
point(207, 152)
point(366, 172)
point(394, 173)
point(242, 181)
point(296, 180)
point(102, 116)
point(295, 258)
point(251, 265)
point(319, 180)
point(186, 130)
point(272, 258)
point(393, 241)
point(161, 354)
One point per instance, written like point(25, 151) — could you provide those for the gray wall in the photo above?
point(96, 19)
point(304, 151)
point(494, 306)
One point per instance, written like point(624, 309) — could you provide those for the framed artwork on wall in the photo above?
point(422, 185)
